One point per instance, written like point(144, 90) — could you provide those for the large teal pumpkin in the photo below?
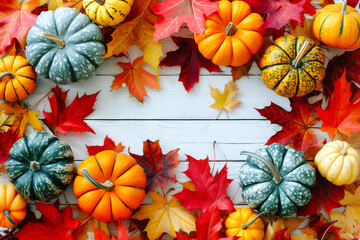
point(65, 46)
point(40, 166)
point(276, 180)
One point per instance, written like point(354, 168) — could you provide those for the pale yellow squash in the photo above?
point(338, 162)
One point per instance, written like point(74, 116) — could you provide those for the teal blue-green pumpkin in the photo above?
point(276, 180)
point(40, 166)
point(65, 46)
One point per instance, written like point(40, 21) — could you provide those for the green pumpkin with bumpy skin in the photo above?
point(276, 181)
point(40, 166)
point(65, 46)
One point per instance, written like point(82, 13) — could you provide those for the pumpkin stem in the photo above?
point(301, 53)
point(101, 2)
point(343, 152)
point(34, 166)
point(343, 10)
point(107, 185)
point(7, 215)
point(244, 226)
point(59, 42)
point(7, 74)
point(277, 179)
point(230, 29)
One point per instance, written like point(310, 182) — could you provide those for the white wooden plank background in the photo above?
point(179, 119)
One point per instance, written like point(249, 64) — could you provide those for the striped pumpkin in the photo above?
point(293, 66)
point(17, 78)
point(107, 12)
point(338, 26)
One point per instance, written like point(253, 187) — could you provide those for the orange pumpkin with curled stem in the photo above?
point(17, 78)
point(232, 34)
point(12, 206)
point(109, 186)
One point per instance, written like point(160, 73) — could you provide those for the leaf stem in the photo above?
point(213, 168)
point(8, 236)
point(41, 99)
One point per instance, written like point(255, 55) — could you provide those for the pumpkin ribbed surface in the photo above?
point(17, 78)
point(236, 220)
point(40, 166)
point(127, 178)
point(107, 12)
point(232, 35)
point(65, 46)
point(13, 203)
point(338, 162)
point(279, 72)
point(337, 29)
point(277, 195)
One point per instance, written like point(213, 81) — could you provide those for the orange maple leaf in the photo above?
point(135, 77)
point(15, 21)
point(341, 114)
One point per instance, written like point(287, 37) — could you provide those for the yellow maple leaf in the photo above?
point(165, 216)
point(348, 224)
point(352, 201)
point(140, 31)
point(52, 4)
point(6, 120)
point(24, 115)
point(225, 101)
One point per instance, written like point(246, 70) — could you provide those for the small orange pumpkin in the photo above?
point(245, 224)
point(17, 78)
point(232, 35)
point(109, 186)
point(338, 25)
point(12, 206)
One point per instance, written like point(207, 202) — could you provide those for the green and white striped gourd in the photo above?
point(40, 166)
point(276, 180)
point(65, 46)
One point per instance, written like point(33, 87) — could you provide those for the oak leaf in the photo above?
point(165, 216)
point(341, 115)
point(64, 118)
point(190, 60)
point(136, 78)
point(209, 191)
point(325, 195)
point(52, 225)
point(296, 124)
point(109, 144)
point(176, 12)
point(224, 101)
point(138, 28)
point(156, 165)
point(15, 21)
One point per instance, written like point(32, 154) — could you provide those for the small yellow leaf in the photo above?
point(273, 227)
point(6, 120)
point(52, 4)
point(225, 101)
point(348, 224)
point(165, 216)
point(189, 186)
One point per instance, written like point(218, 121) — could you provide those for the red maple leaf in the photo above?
point(209, 191)
point(100, 234)
point(336, 68)
point(7, 139)
point(156, 165)
point(52, 224)
point(64, 118)
point(176, 12)
point(279, 12)
point(190, 60)
point(109, 144)
point(325, 195)
point(296, 124)
point(15, 21)
point(341, 114)
point(322, 227)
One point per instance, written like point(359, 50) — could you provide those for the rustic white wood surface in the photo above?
point(179, 119)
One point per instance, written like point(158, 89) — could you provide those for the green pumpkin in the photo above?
point(276, 180)
point(40, 166)
point(65, 46)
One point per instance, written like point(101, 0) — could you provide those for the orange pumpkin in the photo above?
point(12, 206)
point(17, 78)
point(245, 224)
point(232, 35)
point(109, 186)
point(338, 26)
